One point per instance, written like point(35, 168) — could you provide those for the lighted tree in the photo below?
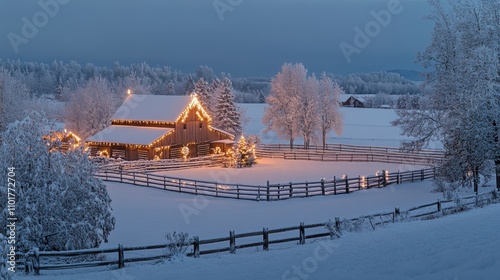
point(244, 155)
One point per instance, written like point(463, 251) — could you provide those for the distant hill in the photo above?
point(412, 75)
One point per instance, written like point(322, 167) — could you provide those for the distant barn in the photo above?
point(158, 127)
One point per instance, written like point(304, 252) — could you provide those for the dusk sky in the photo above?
point(241, 37)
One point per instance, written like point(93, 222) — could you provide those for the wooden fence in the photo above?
point(164, 164)
point(267, 191)
point(351, 153)
point(38, 261)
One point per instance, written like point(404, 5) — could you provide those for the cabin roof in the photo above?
point(124, 134)
point(165, 108)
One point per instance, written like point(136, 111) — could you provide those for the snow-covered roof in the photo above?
point(222, 131)
point(164, 108)
point(123, 134)
point(224, 141)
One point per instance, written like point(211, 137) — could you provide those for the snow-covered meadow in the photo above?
point(453, 247)
point(362, 126)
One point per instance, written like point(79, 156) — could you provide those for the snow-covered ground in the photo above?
point(144, 215)
point(362, 126)
point(283, 171)
point(462, 246)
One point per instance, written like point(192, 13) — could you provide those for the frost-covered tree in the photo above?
point(308, 118)
point(14, 97)
point(60, 205)
point(90, 108)
point(330, 117)
point(464, 74)
point(202, 89)
point(227, 117)
point(281, 116)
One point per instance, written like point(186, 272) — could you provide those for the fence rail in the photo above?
point(350, 153)
point(38, 261)
point(164, 164)
point(267, 192)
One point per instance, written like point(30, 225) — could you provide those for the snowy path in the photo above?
point(462, 246)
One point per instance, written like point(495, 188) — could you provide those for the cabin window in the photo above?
point(184, 126)
point(201, 124)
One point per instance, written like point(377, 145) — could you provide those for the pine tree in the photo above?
point(244, 154)
point(227, 117)
point(204, 95)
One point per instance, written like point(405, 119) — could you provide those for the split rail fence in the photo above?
point(266, 192)
point(351, 153)
point(39, 261)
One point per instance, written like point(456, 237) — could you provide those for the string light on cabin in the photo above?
point(200, 111)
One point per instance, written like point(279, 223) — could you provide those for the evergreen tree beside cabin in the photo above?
point(158, 127)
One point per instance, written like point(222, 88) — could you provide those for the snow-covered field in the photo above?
point(463, 246)
point(283, 171)
point(362, 126)
point(144, 215)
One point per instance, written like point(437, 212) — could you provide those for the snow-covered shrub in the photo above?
point(60, 205)
point(177, 244)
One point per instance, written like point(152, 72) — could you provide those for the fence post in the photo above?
point(291, 190)
point(359, 182)
point(412, 176)
point(422, 174)
point(322, 186)
point(385, 175)
point(334, 185)
point(397, 178)
point(396, 214)
point(36, 265)
point(267, 190)
point(196, 246)
point(134, 177)
point(302, 234)
point(121, 175)
point(346, 184)
point(121, 258)
point(216, 189)
point(237, 192)
point(164, 182)
point(307, 189)
point(232, 242)
point(265, 239)
point(439, 205)
point(337, 223)
point(179, 185)
point(195, 188)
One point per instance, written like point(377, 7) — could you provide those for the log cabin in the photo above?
point(147, 127)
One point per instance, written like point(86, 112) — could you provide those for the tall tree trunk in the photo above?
point(291, 143)
point(324, 139)
point(475, 178)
